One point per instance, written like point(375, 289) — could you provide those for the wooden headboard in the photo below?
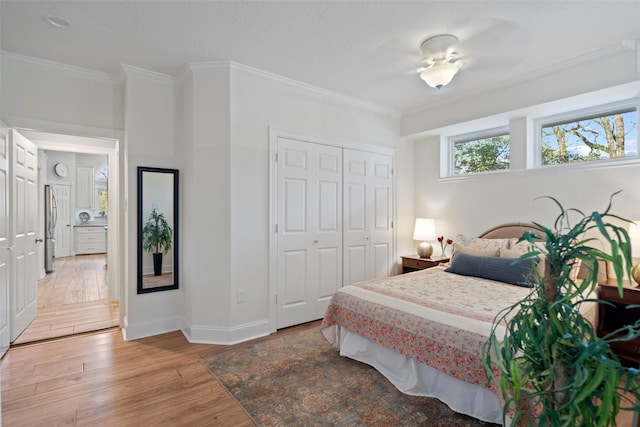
point(510, 230)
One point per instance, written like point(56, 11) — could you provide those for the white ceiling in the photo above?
point(369, 50)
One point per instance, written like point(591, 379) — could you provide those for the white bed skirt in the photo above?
point(417, 379)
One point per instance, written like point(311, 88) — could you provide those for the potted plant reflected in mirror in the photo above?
point(156, 237)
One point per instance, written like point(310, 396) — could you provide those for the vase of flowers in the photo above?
point(443, 245)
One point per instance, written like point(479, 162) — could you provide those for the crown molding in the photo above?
point(344, 99)
point(77, 71)
point(191, 67)
point(208, 65)
point(338, 97)
point(152, 75)
point(199, 66)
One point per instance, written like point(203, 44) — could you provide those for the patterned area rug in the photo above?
point(298, 379)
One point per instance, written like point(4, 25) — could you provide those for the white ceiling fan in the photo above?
point(442, 58)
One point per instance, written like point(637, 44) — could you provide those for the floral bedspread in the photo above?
point(437, 318)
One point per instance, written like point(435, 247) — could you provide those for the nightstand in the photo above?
point(616, 316)
point(415, 263)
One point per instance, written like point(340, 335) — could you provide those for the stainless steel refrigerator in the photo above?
point(50, 218)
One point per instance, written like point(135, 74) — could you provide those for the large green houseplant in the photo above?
point(156, 237)
point(551, 367)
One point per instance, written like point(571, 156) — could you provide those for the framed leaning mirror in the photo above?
point(157, 229)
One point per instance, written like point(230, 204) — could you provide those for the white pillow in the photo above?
point(480, 243)
point(470, 250)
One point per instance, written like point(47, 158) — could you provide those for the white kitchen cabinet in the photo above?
point(85, 198)
point(90, 240)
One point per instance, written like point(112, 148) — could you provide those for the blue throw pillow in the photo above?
point(507, 270)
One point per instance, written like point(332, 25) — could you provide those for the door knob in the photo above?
point(39, 240)
point(10, 248)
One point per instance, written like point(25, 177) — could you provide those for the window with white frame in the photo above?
point(102, 173)
point(604, 133)
point(481, 152)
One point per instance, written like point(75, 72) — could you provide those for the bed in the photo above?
point(424, 330)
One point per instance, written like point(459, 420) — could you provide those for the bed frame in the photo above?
point(510, 230)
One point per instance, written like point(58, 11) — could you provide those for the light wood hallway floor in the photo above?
point(100, 379)
point(73, 299)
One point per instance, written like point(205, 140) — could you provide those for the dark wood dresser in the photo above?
point(612, 317)
point(415, 263)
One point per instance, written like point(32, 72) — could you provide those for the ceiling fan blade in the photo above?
point(492, 45)
point(490, 34)
point(490, 61)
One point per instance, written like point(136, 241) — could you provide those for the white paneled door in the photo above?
point(5, 242)
point(368, 216)
point(22, 218)
point(309, 229)
point(63, 223)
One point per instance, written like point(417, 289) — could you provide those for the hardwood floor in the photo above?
point(76, 279)
point(73, 299)
point(70, 319)
point(100, 379)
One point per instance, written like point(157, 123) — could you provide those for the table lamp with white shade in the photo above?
point(634, 236)
point(424, 231)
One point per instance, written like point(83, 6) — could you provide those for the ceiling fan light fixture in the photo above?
point(441, 55)
point(439, 74)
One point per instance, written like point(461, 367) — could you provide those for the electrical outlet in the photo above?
point(240, 295)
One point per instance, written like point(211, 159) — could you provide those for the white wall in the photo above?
point(55, 157)
point(474, 204)
point(56, 93)
point(205, 259)
point(149, 141)
point(260, 102)
point(227, 184)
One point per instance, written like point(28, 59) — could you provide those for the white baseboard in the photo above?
point(142, 330)
point(198, 334)
point(225, 335)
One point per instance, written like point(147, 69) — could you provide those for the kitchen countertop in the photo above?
point(91, 225)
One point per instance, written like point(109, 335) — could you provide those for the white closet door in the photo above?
point(5, 242)
point(381, 225)
point(23, 214)
point(368, 213)
point(309, 235)
point(63, 225)
point(356, 216)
